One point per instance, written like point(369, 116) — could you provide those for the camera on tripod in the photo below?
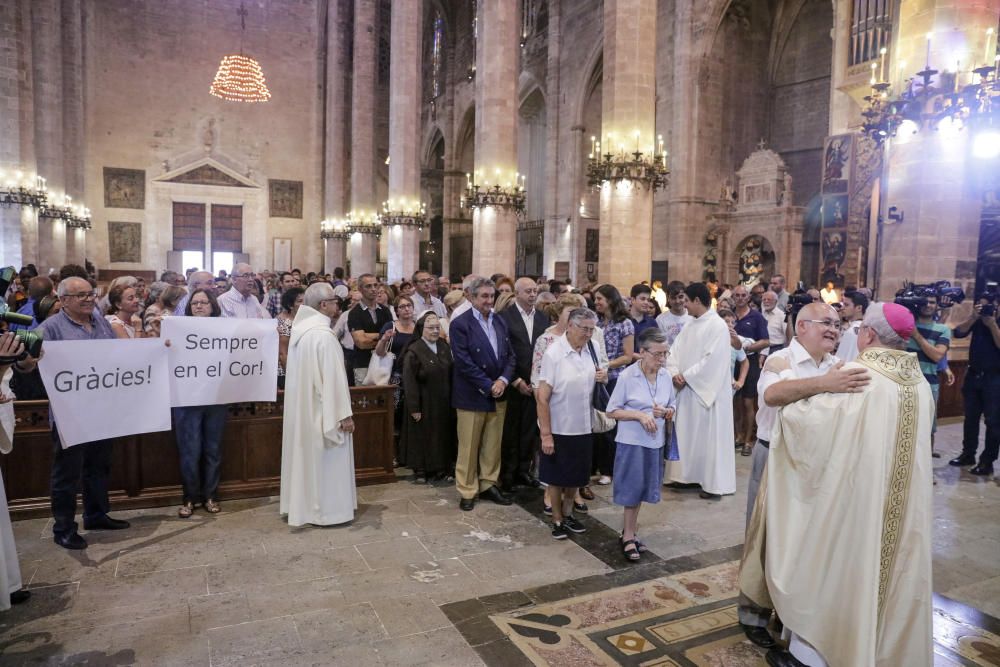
point(916, 297)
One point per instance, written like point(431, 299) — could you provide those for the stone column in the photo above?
point(933, 179)
point(494, 228)
point(629, 123)
point(363, 206)
point(404, 135)
point(335, 156)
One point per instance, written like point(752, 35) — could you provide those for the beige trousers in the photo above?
point(478, 465)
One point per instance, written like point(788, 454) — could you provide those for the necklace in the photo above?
point(651, 387)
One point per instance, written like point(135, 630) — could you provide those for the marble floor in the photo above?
point(413, 581)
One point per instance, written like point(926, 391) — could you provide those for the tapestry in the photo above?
point(285, 198)
point(124, 188)
point(125, 241)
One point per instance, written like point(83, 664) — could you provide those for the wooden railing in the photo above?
point(145, 471)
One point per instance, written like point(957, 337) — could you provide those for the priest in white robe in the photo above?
point(317, 448)
point(10, 570)
point(699, 363)
point(840, 540)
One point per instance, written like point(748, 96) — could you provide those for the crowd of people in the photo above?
point(503, 382)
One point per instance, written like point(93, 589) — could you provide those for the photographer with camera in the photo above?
point(981, 390)
point(11, 349)
point(930, 340)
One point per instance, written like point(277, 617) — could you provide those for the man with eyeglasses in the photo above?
point(196, 280)
point(803, 369)
point(847, 506)
point(90, 462)
point(240, 301)
point(423, 297)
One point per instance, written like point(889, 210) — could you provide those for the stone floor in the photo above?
point(412, 581)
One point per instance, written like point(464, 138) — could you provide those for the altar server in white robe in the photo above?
point(317, 448)
point(699, 364)
point(10, 571)
point(840, 540)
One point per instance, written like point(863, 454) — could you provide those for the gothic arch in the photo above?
point(464, 151)
point(594, 69)
point(433, 136)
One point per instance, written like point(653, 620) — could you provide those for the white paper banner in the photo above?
point(215, 360)
point(106, 388)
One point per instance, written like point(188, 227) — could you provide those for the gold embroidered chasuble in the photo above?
point(840, 539)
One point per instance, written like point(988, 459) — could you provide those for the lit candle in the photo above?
point(929, 35)
point(872, 81)
point(636, 134)
point(881, 70)
point(989, 38)
point(593, 140)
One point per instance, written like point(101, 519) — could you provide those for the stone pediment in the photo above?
point(763, 180)
point(207, 172)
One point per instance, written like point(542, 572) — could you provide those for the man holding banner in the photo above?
point(89, 461)
point(317, 448)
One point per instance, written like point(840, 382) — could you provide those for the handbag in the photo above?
point(379, 370)
point(600, 422)
point(599, 397)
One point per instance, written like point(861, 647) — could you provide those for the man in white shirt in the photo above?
point(855, 305)
point(423, 297)
point(240, 301)
point(775, 322)
point(673, 320)
point(805, 368)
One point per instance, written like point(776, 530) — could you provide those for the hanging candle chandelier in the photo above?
point(240, 78)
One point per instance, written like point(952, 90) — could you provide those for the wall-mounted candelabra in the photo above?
point(645, 167)
point(403, 212)
point(20, 189)
point(505, 190)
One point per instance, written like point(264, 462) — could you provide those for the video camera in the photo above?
point(915, 297)
point(32, 340)
point(796, 300)
point(991, 295)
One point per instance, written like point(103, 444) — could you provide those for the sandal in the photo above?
point(586, 493)
point(186, 510)
point(632, 554)
point(639, 544)
point(212, 507)
point(747, 450)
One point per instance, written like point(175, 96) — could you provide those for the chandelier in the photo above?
point(646, 168)
point(240, 78)
point(936, 100)
point(505, 192)
point(403, 212)
point(19, 189)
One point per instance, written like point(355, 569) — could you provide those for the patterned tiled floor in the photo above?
point(414, 581)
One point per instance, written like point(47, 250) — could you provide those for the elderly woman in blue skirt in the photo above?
point(643, 401)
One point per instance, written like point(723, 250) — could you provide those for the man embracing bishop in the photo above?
point(317, 448)
point(840, 540)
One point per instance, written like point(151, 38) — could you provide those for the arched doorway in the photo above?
point(531, 160)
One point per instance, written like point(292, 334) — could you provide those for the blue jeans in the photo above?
point(199, 431)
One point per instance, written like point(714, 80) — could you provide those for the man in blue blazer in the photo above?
point(483, 367)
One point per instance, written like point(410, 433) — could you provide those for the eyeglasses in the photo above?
point(83, 296)
point(829, 324)
point(658, 355)
point(589, 330)
point(234, 276)
point(424, 280)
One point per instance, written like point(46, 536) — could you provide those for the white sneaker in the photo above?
point(604, 480)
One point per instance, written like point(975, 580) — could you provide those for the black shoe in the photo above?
point(776, 657)
point(466, 504)
point(546, 509)
point(17, 597)
point(580, 507)
point(709, 496)
point(524, 479)
point(758, 635)
point(106, 523)
point(559, 531)
point(982, 469)
point(962, 460)
point(572, 525)
point(71, 541)
point(935, 455)
point(493, 494)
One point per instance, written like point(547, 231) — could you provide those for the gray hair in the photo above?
point(469, 279)
point(876, 321)
point(156, 289)
point(479, 283)
point(316, 293)
point(651, 336)
point(63, 288)
point(192, 279)
point(127, 281)
point(578, 315)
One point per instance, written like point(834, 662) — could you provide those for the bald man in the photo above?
point(197, 280)
point(525, 325)
point(240, 301)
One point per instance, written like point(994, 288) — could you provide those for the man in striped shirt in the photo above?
point(240, 301)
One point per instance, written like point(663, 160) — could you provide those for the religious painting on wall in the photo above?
point(285, 198)
point(835, 211)
point(837, 164)
point(125, 241)
point(124, 188)
point(834, 248)
point(592, 246)
point(756, 260)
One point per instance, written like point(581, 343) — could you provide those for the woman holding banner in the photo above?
point(199, 431)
